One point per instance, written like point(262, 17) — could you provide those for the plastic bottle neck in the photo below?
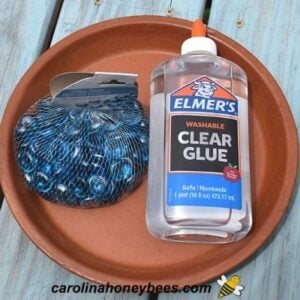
point(199, 43)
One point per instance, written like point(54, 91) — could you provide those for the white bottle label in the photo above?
point(76, 89)
point(203, 163)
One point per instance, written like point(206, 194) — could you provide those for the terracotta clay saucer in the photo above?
point(113, 244)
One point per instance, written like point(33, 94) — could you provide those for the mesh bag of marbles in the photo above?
point(86, 157)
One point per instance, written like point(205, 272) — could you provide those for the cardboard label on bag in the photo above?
point(76, 89)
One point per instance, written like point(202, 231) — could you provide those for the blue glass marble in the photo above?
point(28, 121)
point(123, 170)
point(61, 193)
point(27, 160)
point(28, 177)
point(130, 116)
point(115, 146)
point(95, 139)
point(97, 185)
point(86, 157)
point(74, 132)
point(80, 188)
point(46, 168)
point(57, 168)
point(42, 182)
point(59, 150)
point(98, 120)
point(99, 162)
point(112, 191)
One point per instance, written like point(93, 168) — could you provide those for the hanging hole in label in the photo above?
point(113, 81)
point(98, 2)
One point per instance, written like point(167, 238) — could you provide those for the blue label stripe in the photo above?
point(197, 104)
point(89, 92)
point(203, 190)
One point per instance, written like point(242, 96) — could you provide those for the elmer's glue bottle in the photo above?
point(199, 175)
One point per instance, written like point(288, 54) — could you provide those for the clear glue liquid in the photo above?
point(199, 175)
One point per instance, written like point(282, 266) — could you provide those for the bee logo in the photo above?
point(230, 286)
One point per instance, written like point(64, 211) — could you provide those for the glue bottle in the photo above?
point(199, 174)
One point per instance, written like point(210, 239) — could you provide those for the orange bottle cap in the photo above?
point(199, 41)
point(198, 29)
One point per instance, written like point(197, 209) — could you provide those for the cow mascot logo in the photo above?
point(204, 89)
